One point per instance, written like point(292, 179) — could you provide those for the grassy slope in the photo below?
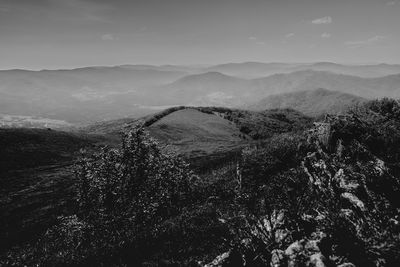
point(211, 136)
point(192, 130)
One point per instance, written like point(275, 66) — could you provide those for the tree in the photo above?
point(124, 197)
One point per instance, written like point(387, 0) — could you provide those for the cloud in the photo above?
point(252, 38)
point(289, 35)
point(108, 37)
point(391, 3)
point(260, 43)
point(326, 35)
point(362, 43)
point(324, 20)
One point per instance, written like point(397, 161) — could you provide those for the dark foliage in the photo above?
point(29, 148)
point(158, 116)
point(328, 195)
point(264, 124)
point(332, 199)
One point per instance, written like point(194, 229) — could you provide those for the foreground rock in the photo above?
point(351, 165)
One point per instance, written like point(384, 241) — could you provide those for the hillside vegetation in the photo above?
point(37, 174)
point(36, 179)
point(316, 195)
point(27, 148)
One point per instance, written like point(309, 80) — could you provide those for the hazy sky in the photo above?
point(38, 34)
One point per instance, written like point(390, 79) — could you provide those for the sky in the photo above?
point(52, 34)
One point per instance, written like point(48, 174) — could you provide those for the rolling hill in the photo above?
point(366, 71)
point(216, 89)
point(211, 88)
point(259, 69)
point(312, 102)
point(387, 86)
point(190, 130)
point(201, 131)
point(252, 69)
point(80, 95)
point(86, 95)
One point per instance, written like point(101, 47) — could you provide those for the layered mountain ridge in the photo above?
point(91, 94)
point(312, 103)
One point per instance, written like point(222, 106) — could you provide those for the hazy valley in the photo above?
point(92, 94)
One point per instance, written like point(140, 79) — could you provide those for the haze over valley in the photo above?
point(91, 94)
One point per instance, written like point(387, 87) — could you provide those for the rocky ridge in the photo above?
point(354, 220)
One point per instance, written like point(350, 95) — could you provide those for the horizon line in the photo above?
point(200, 65)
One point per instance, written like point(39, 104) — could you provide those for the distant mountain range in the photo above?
point(312, 103)
point(257, 69)
point(214, 88)
point(103, 93)
point(78, 95)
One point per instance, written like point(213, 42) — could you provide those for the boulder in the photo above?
point(277, 258)
point(219, 260)
point(317, 260)
point(294, 252)
point(354, 200)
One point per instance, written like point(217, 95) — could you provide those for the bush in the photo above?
point(124, 197)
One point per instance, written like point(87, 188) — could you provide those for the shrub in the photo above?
point(124, 197)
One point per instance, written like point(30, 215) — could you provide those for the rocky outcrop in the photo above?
point(301, 252)
point(219, 260)
point(344, 168)
point(354, 217)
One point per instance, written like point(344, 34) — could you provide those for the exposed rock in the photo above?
point(347, 264)
point(311, 246)
point(219, 260)
point(317, 260)
point(306, 251)
point(280, 235)
point(323, 132)
point(277, 258)
point(273, 225)
point(345, 183)
point(293, 252)
point(354, 200)
point(355, 210)
point(380, 166)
